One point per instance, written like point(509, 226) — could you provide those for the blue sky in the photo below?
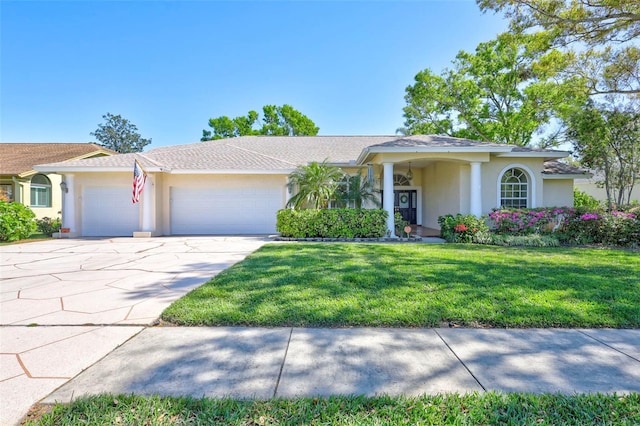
point(168, 66)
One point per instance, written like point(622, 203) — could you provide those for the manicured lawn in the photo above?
point(472, 409)
point(419, 285)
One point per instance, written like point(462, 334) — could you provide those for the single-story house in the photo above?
point(40, 191)
point(236, 186)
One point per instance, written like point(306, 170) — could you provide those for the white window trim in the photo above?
point(531, 187)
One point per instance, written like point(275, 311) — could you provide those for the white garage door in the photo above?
point(206, 211)
point(108, 212)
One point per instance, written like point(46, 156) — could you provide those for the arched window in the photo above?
point(40, 191)
point(514, 189)
point(401, 180)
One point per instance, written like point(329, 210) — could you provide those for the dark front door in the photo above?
point(406, 202)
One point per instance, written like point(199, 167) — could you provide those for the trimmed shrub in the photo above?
point(332, 223)
point(462, 228)
point(16, 221)
point(532, 240)
point(48, 226)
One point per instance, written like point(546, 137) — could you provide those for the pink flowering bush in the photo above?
point(570, 225)
point(529, 221)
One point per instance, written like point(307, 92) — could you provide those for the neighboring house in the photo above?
point(41, 192)
point(594, 186)
point(236, 186)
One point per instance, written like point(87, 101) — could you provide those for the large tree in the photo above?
point(276, 121)
point(119, 134)
point(503, 92)
point(607, 139)
point(607, 28)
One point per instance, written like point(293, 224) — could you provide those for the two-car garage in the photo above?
point(182, 205)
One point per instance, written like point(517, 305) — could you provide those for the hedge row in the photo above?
point(332, 223)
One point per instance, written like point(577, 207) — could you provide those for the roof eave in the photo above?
point(547, 155)
point(420, 149)
point(566, 175)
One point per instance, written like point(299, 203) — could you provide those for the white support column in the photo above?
point(69, 203)
point(388, 197)
point(475, 205)
point(148, 199)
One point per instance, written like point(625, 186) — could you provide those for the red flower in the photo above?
point(461, 227)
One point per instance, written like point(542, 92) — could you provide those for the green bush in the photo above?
point(462, 228)
point(582, 199)
point(16, 221)
point(400, 224)
point(332, 223)
point(48, 226)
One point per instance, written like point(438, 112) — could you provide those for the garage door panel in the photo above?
point(108, 212)
point(224, 211)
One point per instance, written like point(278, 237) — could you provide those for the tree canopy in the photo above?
point(276, 121)
point(504, 92)
point(607, 28)
point(119, 134)
point(606, 136)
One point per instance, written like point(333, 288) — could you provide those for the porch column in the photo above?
point(475, 205)
point(69, 203)
point(147, 206)
point(387, 203)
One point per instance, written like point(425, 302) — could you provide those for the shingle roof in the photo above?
point(19, 158)
point(558, 168)
point(268, 153)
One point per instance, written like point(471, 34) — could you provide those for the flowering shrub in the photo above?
point(462, 228)
point(566, 225)
point(529, 221)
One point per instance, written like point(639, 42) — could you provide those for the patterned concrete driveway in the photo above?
point(65, 304)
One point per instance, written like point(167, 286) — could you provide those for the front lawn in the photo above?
point(472, 409)
point(419, 285)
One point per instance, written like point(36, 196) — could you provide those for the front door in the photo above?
point(406, 202)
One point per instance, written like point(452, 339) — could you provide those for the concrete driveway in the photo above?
point(60, 302)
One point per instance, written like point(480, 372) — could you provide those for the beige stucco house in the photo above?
point(236, 186)
point(40, 191)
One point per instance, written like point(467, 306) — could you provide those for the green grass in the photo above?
point(419, 285)
point(471, 409)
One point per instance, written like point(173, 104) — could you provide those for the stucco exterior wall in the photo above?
point(558, 193)
point(21, 188)
point(440, 191)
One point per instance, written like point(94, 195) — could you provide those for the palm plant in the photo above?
point(357, 190)
point(316, 184)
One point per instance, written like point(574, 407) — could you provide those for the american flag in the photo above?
point(139, 178)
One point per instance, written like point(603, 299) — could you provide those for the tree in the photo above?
point(356, 190)
point(316, 185)
point(504, 93)
point(276, 121)
point(597, 24)
point(607, 139)
point(120, 135)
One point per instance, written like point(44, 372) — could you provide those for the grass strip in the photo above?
point(419, 285)
point(450, 409)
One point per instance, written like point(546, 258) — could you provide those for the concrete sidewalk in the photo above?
point(286, 362)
